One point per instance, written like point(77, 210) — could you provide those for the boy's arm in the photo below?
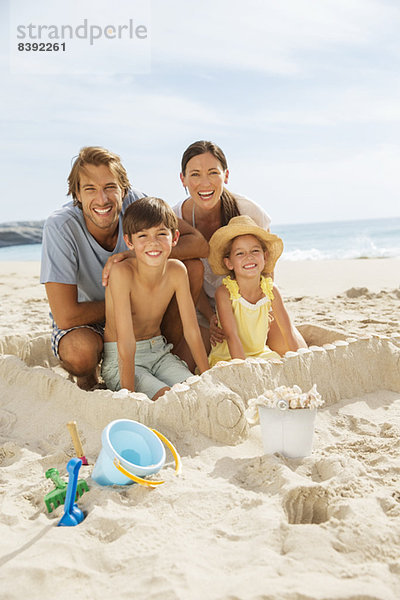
point(191, 244)
point(191, 330)
point(283, 320)
point(67, 311)
point(119, 284)
point(204, 306)
point(228, 322)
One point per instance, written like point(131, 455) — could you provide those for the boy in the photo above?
point(136, 356)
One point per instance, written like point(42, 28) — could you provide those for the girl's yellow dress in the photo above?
point(252, 322)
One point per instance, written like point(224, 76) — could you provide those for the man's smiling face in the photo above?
point(101, 199)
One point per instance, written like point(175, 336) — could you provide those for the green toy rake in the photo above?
point(57, 497)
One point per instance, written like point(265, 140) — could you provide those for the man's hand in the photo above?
point(216, 333)
point(114, 259)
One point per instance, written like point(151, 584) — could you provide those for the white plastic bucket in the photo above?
point(131, 447)
point(289, 431)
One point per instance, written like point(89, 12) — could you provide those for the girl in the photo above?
point(247, 301)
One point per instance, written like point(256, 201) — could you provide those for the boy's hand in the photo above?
point(216, 333)
point(114, 259)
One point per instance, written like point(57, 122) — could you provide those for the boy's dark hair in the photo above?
point(148, 212)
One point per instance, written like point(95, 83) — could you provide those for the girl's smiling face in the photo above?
point(205, 177)
point(246, 257)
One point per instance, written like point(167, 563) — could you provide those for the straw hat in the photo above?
point(242, 225)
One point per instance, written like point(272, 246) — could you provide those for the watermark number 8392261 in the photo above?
point(41, 47)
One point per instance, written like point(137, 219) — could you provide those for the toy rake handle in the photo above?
point(54, 475)
point(75, 438)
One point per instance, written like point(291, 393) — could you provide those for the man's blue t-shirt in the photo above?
point(71, 255)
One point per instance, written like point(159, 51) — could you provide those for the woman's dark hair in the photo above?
point(229, 207)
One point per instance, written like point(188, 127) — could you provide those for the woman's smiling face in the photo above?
point(205, 177)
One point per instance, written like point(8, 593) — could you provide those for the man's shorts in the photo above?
point(155, 366)
point(57, 334)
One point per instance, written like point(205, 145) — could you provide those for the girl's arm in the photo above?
point(228, 323)
point(120, 282)
point(284, 323)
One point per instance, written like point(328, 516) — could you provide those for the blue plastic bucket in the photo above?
point(133, 446)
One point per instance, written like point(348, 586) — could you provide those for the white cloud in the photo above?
point(259, 35)
point(318, 141)
point(354, 186)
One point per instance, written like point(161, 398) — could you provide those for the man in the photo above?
point(79, 241)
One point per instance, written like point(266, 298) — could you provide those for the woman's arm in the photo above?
point(228, 323)
point(191, 244)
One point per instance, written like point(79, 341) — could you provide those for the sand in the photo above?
point(236, 524)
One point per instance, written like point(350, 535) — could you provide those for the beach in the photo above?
point(235, 524)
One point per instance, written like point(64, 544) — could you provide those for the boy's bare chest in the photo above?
point(148, 305)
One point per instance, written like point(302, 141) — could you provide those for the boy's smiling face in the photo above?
point(152, 246)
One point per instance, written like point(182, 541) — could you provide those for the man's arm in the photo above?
point(191, 244)
point(191, 330)
point(228, 323)
point(119, 284)
point(67, 311)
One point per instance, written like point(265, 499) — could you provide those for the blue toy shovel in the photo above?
point(72, 514)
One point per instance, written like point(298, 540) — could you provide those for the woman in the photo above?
point(204, 171)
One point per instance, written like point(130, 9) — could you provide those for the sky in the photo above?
point(303, 96)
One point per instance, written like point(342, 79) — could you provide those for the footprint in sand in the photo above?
point(105, 530)
point(327, 468)
point(7, 422)
point(305, 505)
point(9, 454)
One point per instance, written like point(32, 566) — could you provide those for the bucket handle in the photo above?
point(149, 482)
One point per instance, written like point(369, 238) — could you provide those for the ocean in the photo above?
point(372, 238)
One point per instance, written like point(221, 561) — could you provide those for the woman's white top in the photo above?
point(246, 207)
